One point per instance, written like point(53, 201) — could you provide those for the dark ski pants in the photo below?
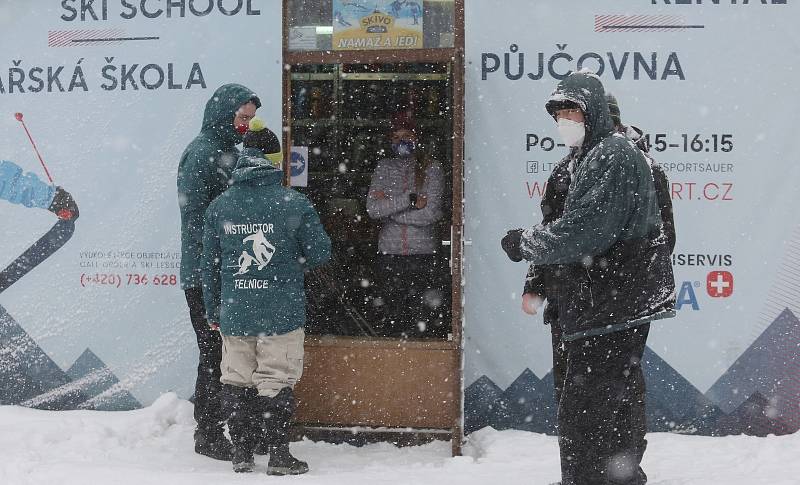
point(559, 359)
point(601, 413)
point(207, 408)
point(414, 290)
point(550, 316)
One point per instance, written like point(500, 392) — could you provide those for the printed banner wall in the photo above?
point(713, 84)
point(112, 92)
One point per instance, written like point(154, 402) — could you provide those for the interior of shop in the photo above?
point(345, 115)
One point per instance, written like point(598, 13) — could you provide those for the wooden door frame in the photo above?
point(454, 55)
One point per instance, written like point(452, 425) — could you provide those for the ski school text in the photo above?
point(97, 10)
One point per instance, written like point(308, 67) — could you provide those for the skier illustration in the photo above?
point(355, 5)
point(26, 189)
point(396, 6)
point(341, 20)
point(262, 249)
point(416, 11)
point(245, 261)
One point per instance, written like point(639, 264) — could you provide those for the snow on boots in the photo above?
point(244, 423)
point(278, 412)
point(261, 422)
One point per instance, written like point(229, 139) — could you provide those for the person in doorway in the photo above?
point(615, 278)
point(204, 173)
point(405, 195)
point(261, 311)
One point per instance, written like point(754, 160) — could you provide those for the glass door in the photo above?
point(390, 275)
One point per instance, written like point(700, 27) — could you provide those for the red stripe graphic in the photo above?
point(74, 38)
point(641, 23)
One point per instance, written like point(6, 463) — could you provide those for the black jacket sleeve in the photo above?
point(552, 206)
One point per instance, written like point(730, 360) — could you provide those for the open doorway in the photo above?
point(388, 214)
point(360, 373)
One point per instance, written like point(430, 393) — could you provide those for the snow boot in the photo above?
point(244, 424)
point(277, 412)
point(281, 462)
point(262, 448)
point(242, 461)
point(212, 444)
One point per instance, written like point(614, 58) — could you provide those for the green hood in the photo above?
point(253, 167)
point(585, 90)
point(221, 109)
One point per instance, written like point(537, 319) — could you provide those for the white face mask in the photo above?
point(572, 132)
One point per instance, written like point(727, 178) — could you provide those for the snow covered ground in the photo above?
point(153, 446)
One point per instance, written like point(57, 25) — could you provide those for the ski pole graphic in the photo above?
point(63, 213)
point(19, 118)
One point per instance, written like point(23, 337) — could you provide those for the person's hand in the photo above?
point(64, 205)
point(511, 245)
point(531, 302)
point(422, 201)
point(213, 326)
point(377, 194)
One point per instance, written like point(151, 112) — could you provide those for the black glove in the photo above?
point(64, 205)
point(511, 245)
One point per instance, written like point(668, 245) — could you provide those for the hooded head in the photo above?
point(221, 111)
point(633, 133)
point(584, 90)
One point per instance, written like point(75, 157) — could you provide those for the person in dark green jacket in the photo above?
point(259, 239)
point(203, 174)
point(615, 278)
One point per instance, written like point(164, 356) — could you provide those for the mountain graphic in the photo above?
point(100, 384)
point(28, 376)
point(757, 416)
point(481, 405)
point(769, 369)
point(673, 403)
point(529, 404)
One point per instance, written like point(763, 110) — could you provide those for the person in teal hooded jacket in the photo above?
point(259, 239)
point(204, 173)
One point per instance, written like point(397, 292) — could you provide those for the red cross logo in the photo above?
point(719, 284)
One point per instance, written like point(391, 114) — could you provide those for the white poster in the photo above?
point(112, 91)
point(712, 83)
